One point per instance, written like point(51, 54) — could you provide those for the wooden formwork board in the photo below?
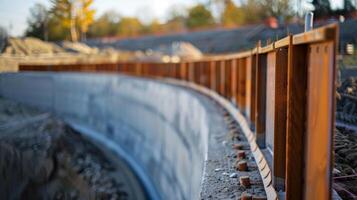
point(227, 76)
point(296, 119)
point(213, 72)
point(260, 103)
point(222, 79)
point(234, 81)
point(276, 106)
point(242, 77)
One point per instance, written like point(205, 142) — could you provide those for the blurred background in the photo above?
point(32, 31)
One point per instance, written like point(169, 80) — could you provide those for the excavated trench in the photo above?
point(116, 137)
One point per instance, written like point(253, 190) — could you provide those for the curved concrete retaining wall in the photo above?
point(163, 129)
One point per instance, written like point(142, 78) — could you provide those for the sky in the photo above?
point(14, 13)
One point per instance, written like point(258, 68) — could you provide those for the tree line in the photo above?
point(74, 19)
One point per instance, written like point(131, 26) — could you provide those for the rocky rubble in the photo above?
point(42, 158)
point(345, 152)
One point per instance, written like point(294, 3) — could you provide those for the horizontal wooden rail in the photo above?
point(286, 90)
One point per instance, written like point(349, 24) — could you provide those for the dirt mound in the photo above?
point(78, 47)
point(30, 46)
point(173, 52)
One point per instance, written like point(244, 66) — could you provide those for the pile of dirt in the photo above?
point(42, 158)
point(78, 47)
point(346, 110)
point(173, 52)
point(30, 46)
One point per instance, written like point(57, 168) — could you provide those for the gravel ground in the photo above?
point(345, 141)
point(42, 158)
point(223, 180)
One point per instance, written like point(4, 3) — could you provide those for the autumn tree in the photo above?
point(232, 15)
point(280, 9)
point(105, 25)
point(198, 17)
point(252, 12)
point(129, 26)
point(85, 16)
point(76, 15)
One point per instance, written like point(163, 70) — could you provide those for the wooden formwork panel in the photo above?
point(296, 119)
point(227, 78)
point(248, 85)
point(270, 100)
point(222, 83)
point(234, 81)
point(213, 75)
point(191, 72)
point(218, 76)
point(251, 88)
point(242, 77)
point(276, 110)
point(320, 120)
point(205, 69)
point(261, 75)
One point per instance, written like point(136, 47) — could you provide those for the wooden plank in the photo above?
point(320, 120)
point(234, 81)
point(296, 119)
point(191, 72)
point(218, 76)
point(242, 82)
point(280, 110)
point(222, 78)
point(316, 35)
point(227, 76)
point(253, 89)
point(261, 74)
point(238, 80)
point(212, 66)
point(270, 101)
point(248, 86)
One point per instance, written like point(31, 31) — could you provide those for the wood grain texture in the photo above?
point(280, 118)
point(234, 81)
point(242, 77)
point(296, 119)
point(261, 74)
point(320, 116)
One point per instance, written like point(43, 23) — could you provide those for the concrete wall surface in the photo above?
point(163, 128)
